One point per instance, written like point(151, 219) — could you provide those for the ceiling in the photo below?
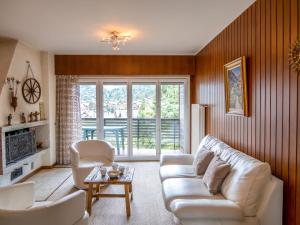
point(158, 26)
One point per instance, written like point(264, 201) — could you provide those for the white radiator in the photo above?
point(198, 125)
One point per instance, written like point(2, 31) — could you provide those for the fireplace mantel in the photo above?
point(23, 125)
point(27, 164)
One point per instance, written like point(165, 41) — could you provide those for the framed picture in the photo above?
point(236, 95)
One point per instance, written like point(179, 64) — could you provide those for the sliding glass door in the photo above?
point(144, 107)
point(172, 117)
point(141, 119)
point(115, 116)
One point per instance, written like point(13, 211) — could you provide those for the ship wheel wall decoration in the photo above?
point(294, 56)
point(31, 89)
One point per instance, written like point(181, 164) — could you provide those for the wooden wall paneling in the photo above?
point(226, 50)
point(279, 88)
point(252, 62)
point(268, 83)
point(239, 52)
point(248, 124)
point(273, 84)
point(293, 119)
point(244, 39)
point(298, 135)
point(245, 32)
point(258, 86)
point(286, 99)
point(263, 79)
point(124, 65)
point(263, 33)
point(235, 56)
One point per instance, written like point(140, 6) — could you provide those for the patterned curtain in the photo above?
point(68, 122)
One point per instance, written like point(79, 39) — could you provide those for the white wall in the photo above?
point(42, 64)
point(18, 71)
point(49, 83)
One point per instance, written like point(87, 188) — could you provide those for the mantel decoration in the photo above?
point(236, 95)
point(115, 38)
point(294, 56)
point(31, 88)
point(13, 85)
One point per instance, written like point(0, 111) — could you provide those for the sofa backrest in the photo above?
point(247, 178)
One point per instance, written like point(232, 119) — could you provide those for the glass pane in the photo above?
point(88, 111)
point(144, 119)
point(172, 111)
point(115, 116)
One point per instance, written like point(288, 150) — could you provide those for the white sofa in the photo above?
point(17, 207)
point(250, 194)
point(86, 155)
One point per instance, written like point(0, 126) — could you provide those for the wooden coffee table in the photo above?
point(94, 181)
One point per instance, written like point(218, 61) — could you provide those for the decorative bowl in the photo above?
point(113, 173)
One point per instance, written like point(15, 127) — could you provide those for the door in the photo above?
point(144, 119)
point(141, 118)
point(115, 116)
point(172, 117)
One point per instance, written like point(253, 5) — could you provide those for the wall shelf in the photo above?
point(24, 125)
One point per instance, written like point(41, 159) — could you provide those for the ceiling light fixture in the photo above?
point(115, 39)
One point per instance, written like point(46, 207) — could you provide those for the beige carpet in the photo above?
point(48, 180)
point(147, 207)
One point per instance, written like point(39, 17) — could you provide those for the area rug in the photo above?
point(47, 181)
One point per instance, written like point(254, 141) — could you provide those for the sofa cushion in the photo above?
point(176, 171)
point(202, 159)
point(185, 188)
point(245, 182)
point(215, 174)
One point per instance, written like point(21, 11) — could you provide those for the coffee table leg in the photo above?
point(130, 190)
point(97, 191)
point(90, 199)
point(126, 187)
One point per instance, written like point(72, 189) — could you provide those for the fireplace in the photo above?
point(19, 144)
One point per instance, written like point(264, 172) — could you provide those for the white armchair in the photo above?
point(85, 155)
point(17, 207)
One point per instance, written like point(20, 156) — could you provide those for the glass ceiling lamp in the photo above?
point(115, 39)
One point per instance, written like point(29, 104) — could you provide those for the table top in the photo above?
point(95, 177)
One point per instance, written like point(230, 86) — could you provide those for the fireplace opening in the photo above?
point(19, 144)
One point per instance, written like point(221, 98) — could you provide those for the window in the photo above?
point(141, 118)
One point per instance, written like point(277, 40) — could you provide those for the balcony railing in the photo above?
point(143, 132)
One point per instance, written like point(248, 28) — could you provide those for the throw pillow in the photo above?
point(215, 174)
point(203, 159)
point(197, 154)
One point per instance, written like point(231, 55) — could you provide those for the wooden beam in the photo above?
point(124, 65)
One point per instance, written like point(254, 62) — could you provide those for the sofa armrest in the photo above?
point(67, 211)
point(206, 209)
point(17, 196)
point(179, 159)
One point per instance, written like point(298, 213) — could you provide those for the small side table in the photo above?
point(94, 181)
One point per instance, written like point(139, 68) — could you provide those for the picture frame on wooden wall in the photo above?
point(236, 93)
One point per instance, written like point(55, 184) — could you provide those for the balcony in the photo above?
point(143, 135)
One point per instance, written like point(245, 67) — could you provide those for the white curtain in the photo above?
point(68, 122)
